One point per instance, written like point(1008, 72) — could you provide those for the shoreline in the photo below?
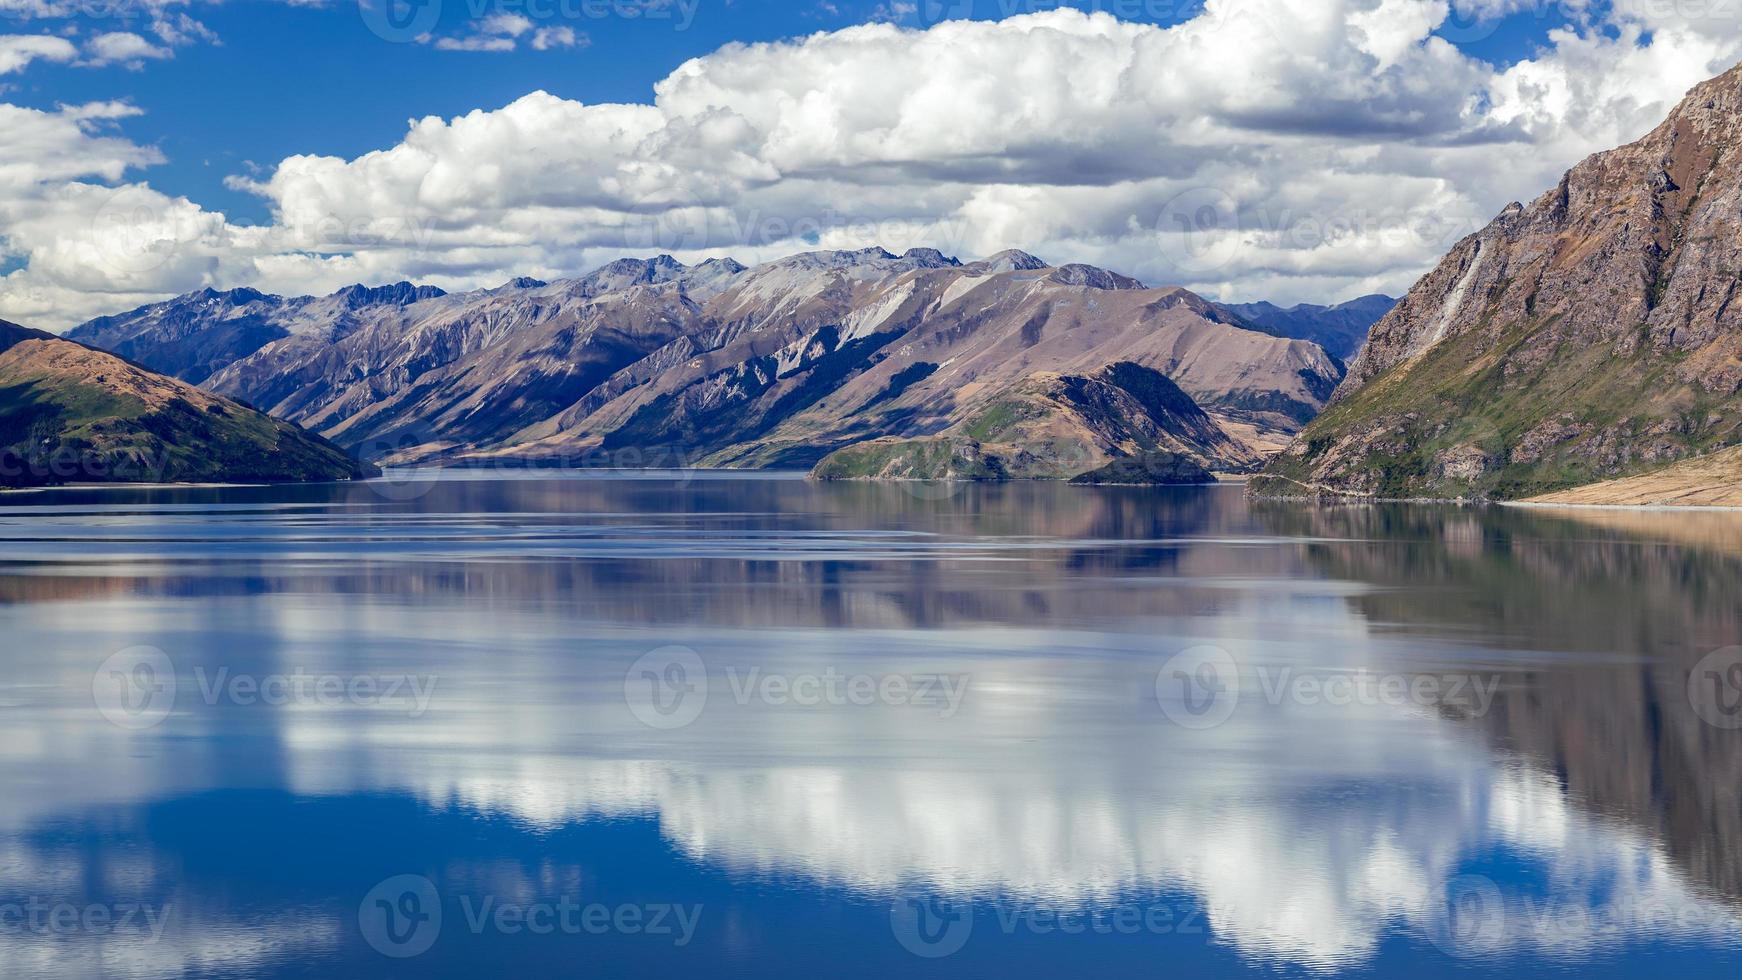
point(144, 486)
point(1644, 508)
point(1223, 480)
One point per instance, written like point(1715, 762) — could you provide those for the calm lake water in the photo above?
point(665, 726)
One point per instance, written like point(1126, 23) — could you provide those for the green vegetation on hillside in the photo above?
point(937, 458)
point(72, 415)
point(1521, 414)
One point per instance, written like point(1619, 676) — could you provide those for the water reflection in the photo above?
point(1598, 807)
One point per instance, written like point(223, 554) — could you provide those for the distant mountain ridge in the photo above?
point(776, 364)
point(194, 336)
point(1590, 335)
point(1340, 329)
point(73, 414)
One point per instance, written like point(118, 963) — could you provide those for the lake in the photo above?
point(670, 725)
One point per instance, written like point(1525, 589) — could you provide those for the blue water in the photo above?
point(664, 725)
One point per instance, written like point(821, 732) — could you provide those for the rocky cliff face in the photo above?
point(775, 365)
point(72, 414)
point(1591, 334)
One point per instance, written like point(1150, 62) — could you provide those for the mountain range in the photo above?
point(69, 413)
point(774, 365)
point(1589, 335)
point(1340, 329)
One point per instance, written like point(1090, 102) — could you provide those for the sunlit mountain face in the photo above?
point(1449, 741)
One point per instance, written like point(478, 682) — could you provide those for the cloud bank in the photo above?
point(1265, 148)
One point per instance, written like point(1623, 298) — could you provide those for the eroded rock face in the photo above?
point(1591, 334)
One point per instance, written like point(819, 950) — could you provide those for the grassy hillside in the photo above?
point(70, 414)
point(1506, 416)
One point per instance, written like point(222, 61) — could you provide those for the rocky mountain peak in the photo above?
point(1077, 274)
point(650, 270)
point(397, 294)
point(930, 258)
point(1589, 334)
point(240, 296)
point(1012, 260)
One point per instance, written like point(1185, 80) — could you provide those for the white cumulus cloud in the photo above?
point(17, 51)
point(123, 48)
point(1265, 148)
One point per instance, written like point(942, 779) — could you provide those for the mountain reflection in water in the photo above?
point(1588, 797)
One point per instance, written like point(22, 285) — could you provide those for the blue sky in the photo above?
point(293, 79)
point(1315, 149)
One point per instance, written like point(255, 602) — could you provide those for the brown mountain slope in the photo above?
point(1590, 335)
point(823, 356)
point(777, 364)
point(71, 414)
point(1053, 426)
